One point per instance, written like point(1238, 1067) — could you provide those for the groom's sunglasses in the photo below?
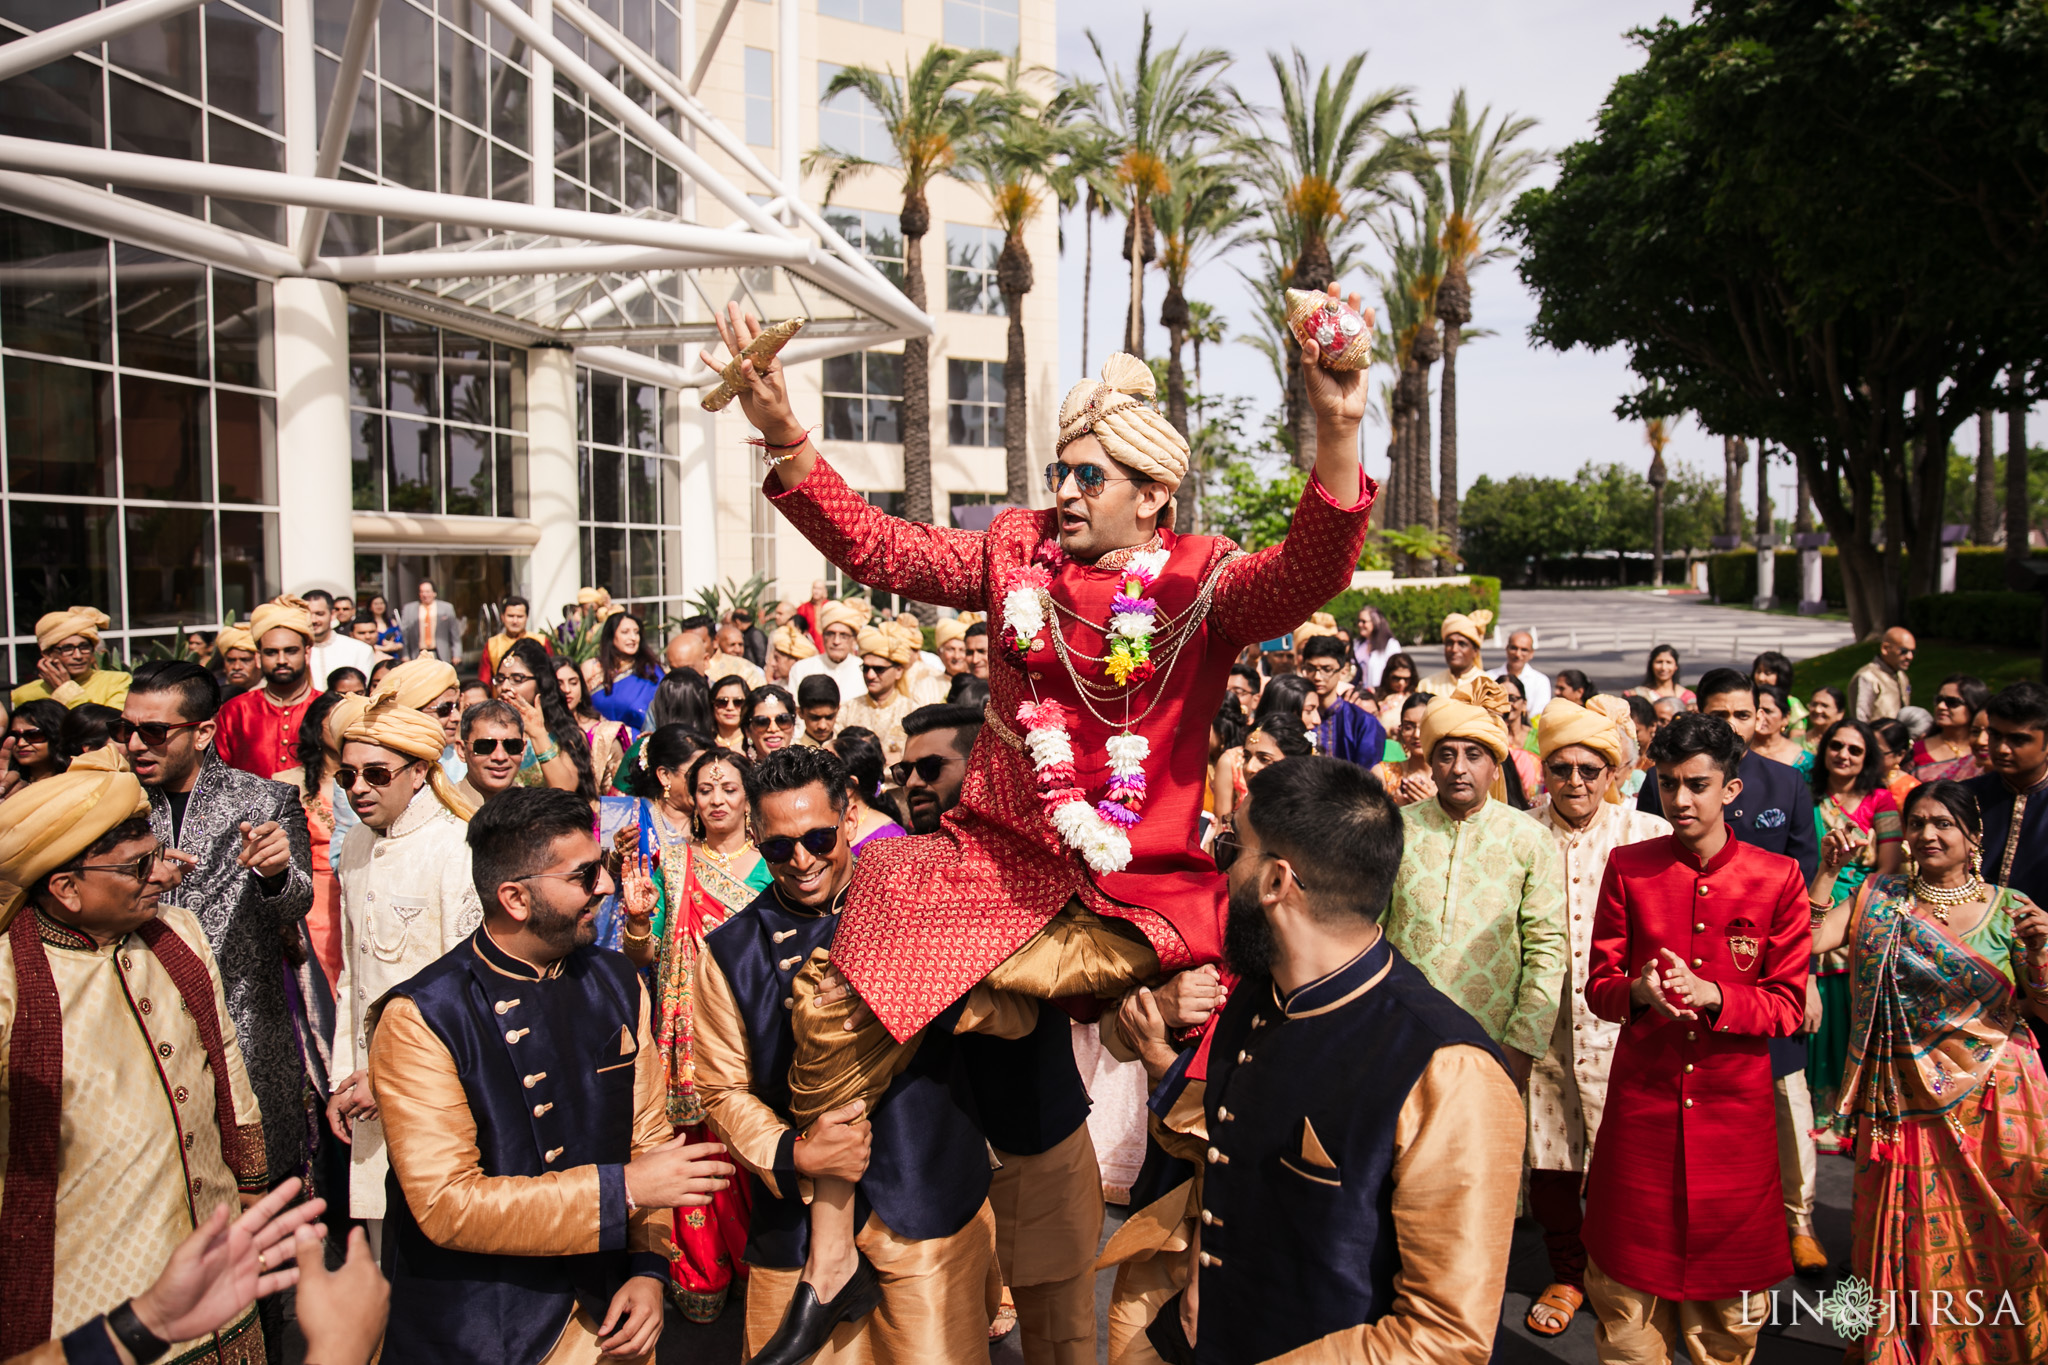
point(1089, 477)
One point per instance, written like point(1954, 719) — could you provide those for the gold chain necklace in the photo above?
point(723, 861)
point(1939, 900)
point(1089, 693)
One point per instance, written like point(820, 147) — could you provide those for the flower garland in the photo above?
point(1098, 832)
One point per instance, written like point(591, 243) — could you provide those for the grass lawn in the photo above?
point(1934, 660)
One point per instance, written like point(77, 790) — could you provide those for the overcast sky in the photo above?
point(1522, 408)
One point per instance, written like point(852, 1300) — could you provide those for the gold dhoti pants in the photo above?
point(1078, 954)
point(1636, 1328)
point(1048, 1209)
point(938, 1297)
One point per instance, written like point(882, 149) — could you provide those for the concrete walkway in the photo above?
point(1609, 634)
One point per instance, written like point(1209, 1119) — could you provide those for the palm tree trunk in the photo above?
point(1087, 270)
point(1177, 413)
point(1447, 451)
point(1984, 519)
point(1734, 454)
point(1139, 235)
point(917, 398)
point(1201, 399)
point(1014, 279)
point(2016, 476)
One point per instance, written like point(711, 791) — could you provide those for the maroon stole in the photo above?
point(35, 1060)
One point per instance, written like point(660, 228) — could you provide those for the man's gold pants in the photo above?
point(1078, 954)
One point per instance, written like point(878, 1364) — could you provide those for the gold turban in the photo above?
point(1472, 627)
point(340, 716)
point(289, 612)
point(1132, 432)
point(1322, 623)
point(47, 824)
point(390, 724)
point(234, 637)
point(417, 684)
point(890, 644)
point(946, 632)
point(1566, 723)
point(62, 625)
point(1488, 694)
point(854, 618)
point(1451, 718)
point(906, 628)
point(790, 641)
point(586, 597)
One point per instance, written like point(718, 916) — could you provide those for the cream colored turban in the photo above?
point(234, 637)
point(390, 724)
point(1132, 431)
point(948, 631)
point(854, 618)
point(62, 625)
point(417, 684)
point(794, 643)
point(1566, 723)
point(340, 716)
point(1488, 694)
point(586, 597)
point(1472, 627)
point(906, 629)
point(1322, 623)
point(292, 613)
point(891, 645)
point(45, 825)
point(1450, 718)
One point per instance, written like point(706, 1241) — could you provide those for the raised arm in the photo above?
point(935, 564)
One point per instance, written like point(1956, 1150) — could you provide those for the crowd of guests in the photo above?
point(1711, 930)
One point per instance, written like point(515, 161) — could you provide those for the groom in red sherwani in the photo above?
point(1013, 890)
point(1700, 946)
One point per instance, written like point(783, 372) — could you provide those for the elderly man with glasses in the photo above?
point(885, 697)
point(1586, 751)
point(112, 1008)
point(406, 898)
point(70, 642)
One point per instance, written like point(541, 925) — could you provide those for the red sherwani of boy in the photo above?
point(1682, 1197)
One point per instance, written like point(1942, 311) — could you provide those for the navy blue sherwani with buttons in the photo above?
point(512, 1098)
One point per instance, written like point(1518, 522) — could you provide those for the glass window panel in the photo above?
point(667, 42)
point(244, 70)
point(671, 492)
point(231, 144)
point(664, 187)
point(365, 371)
point(604, 162)
point(569, 137)
point(245, 428)
point(148, 121)
point(511, 175)
point(508, 371)
point(643, 488)
point(646, 563)
point(241, 330)
point(760, 96)
point(465, 370)
point(583, 483)
point(957, 379)
point(583, 404)
point(464, 14)
point(64, 552)
point(842, 374)
point(60, 429)
point(165, 440)
point(465, 161)
point(248, 561)
point(568, 194)
point(643, 414)
point(55, 103)
point(330, 25)
point(607, 418)
point(964, 424)
point(366, 461)
point(584, 538)
point(608, 559)
point(510, 91)
point(53, 296)
point(845, 418)
point(885, 373)
point(166, 52)
point(170, 567)
point(995, 425)
point(412, 381)
point(636, 21)
point(511, 476)
point(470, 460)
point(408, 134)
point(885, 420)
point(464, 85)
point(405, 48)
point(639, 171)
point(415, 466)
point(606, 502)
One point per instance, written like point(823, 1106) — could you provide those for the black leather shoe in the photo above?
point(807, 1324)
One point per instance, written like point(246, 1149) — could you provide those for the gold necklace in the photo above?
point(1939, 900)
point(724, 860)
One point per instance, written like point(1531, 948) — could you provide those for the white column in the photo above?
point(554, 567)
point(316, 533)
point(302, 113)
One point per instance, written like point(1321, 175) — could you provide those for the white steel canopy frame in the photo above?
point(613, 285)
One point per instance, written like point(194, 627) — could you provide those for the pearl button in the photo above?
point(554, 1152)
point(1243, 1057)
point(1209, 1260)
point(504, 1005)
point(1213, 1154)
point(1699, 962)
point(1700, 928)
point(535, 1079)
point(1208, 1217)
point(1688, 1102)
point(1688, 1068)
point(513, 1035)
point(540, 1109)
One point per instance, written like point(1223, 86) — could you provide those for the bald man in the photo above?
point(1881, 689)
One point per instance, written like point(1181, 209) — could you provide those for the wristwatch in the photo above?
point(142, 1343)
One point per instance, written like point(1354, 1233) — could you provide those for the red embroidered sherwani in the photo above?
point(1682, 1199)
point(929, 916)
point(257, 735)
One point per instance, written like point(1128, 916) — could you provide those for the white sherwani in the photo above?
point(1568, 1084)
point(406, 899)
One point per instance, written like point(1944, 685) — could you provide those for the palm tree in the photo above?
point(1205, 328)
point(1412, 235)
point(1734, 455)
point(1195, 215)
point(1155, 114)
point(1333, 162)
point(1657, 435)
point(1084, 177)
point(1015, 157)
point(1481, 173)
point(942, 104)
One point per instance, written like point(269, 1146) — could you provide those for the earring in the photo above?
point(1976, 863)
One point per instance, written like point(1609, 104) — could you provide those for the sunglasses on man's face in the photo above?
point(138, 870)
point(1588, 773)
point(155, 733)
point(785, 721)
point(817, 842)
point(442, 711)
point(484, 748)
point(927, 769)
point(1226, 848)
point(378, 775)
point(584, 876)
point(875, 670)
point(1089, 478)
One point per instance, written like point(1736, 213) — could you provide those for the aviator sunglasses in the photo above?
point(378, 775)
point(486, 747)
point(1090, 477)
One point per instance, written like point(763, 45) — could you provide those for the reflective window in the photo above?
point(438, 422)
point(760, 88)
point(874, 13)
point(630, 487)
point(971, 254)
point(875, 235)
point(849, 122)
point(982, 23)
point(598, 165)
point(974, 402)
point(864, 397)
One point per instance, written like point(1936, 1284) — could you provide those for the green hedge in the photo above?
point(1417, 614)
point(1731, 575)
point(2008, 619)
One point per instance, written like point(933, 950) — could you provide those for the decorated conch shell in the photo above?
point(1342, 331)
point(760, 350)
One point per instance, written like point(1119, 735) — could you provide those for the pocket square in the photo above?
point(1312, 1148)
point(626, 1043)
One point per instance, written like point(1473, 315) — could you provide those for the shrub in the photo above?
point(2009, 619)
point(1417, 614)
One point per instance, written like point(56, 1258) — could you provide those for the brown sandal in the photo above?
point(1559, 1298)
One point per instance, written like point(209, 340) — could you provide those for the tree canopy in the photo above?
point(1510, 522)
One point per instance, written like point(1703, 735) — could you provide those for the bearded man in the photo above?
point(258, 730)
point(1080, 878)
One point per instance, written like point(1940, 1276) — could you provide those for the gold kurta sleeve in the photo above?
point(1184, 1132)
point(1458, 1161)
point(649, 1229)
point(431, 1137)
point(752, 1131)
point(997, 1014)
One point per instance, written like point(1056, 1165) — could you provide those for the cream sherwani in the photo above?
point(406, 899)
point(885, 718)
point(1443, 682)
point(140, 1163)
point(1568, 1083)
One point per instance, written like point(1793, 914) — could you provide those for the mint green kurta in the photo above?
point(1479, 907)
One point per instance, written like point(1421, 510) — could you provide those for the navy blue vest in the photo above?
point(571, 1060)
point(1028, 1092)
point(928, 1164)
point(1302, 1250)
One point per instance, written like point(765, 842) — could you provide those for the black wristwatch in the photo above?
point(142, 1343)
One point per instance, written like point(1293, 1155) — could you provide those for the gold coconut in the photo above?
point(1344, 333)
